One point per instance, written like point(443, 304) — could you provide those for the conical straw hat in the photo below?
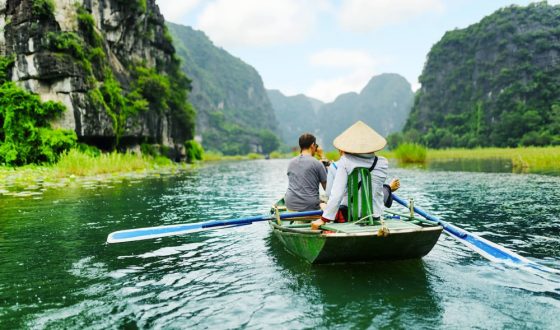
point(359, 139)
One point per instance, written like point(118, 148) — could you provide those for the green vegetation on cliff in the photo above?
point(25, 132)
point(494, 83)
point(158, 89)
point(234, 115)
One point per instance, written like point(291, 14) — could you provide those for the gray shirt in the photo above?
point(305, 173)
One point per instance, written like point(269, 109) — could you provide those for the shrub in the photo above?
point(194, 151)
point(276, 155)
point(411, 153)
point(43, 7)
point(88, 150)
point(26, 136)
point(333, 155)
point(149, 150)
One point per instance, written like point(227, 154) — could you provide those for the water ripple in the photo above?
point(243, 278)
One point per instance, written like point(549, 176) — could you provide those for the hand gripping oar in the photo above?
point(163, 231)
point(484, 247)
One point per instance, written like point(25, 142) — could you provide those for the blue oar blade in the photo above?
point(484, 247)
point(152, 232)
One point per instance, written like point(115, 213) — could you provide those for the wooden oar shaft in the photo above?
point(170, 230)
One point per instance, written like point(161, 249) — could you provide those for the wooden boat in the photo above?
point(390, 239)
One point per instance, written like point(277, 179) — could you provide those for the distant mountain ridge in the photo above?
point(296, 115)
point(384, 104)
point(234, 114)
point(494, 83)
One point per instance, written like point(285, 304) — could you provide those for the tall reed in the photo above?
point(523, 159)
point(411, 153)
point(78, 163)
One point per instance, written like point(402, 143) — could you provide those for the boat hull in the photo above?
point(353, 243)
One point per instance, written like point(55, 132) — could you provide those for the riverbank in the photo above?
point(78, 168)
point(523, 159)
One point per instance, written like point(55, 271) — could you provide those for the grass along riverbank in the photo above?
point(83, 169)
point(523, 159)
point(78, 168)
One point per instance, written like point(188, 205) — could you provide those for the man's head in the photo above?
point(307, 141)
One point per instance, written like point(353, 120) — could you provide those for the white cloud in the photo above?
point(553, 2)
point(258, 22)
point(359, 66)
point(174, 10)
point(368, 15)
point(327, 90)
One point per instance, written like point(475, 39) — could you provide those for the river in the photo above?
point(56, 271)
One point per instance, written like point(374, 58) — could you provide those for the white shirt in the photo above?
point(337, 191)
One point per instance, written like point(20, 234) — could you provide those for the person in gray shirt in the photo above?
point(305, 173)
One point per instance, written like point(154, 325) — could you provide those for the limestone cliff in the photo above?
point(494, 83)
point(110, 62)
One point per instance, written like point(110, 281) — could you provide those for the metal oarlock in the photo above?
point(411, 208)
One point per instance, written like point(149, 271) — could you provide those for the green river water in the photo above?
point(57, 272)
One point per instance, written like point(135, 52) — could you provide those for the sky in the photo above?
point(324, 48)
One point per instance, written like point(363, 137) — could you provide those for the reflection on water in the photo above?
point(57, 272)
point(387, 294)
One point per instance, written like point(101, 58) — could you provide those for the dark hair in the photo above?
point(306, 140)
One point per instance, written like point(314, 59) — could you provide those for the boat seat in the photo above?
point(352, 228)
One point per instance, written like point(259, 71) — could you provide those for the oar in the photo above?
point(163, 231)
point(484, 247)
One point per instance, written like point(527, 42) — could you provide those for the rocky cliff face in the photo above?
point(494, 83)
point(101, 59)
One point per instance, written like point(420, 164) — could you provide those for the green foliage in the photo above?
point(269, 141)
point(86, 24)
point(194, 151)
point(494, 83)
point(25, 133)
point(394, 139)
point(88, 150)
point(67, 42)
point(277, 155)
point(253, 156)
point(119, 105)
point(411, 153)
point(143, 5)
point(149, 150)
point(6, 64)
point(153, 87)
point(43, 7)
point(333, 155)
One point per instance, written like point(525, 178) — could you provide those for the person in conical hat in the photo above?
point(357, 146)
